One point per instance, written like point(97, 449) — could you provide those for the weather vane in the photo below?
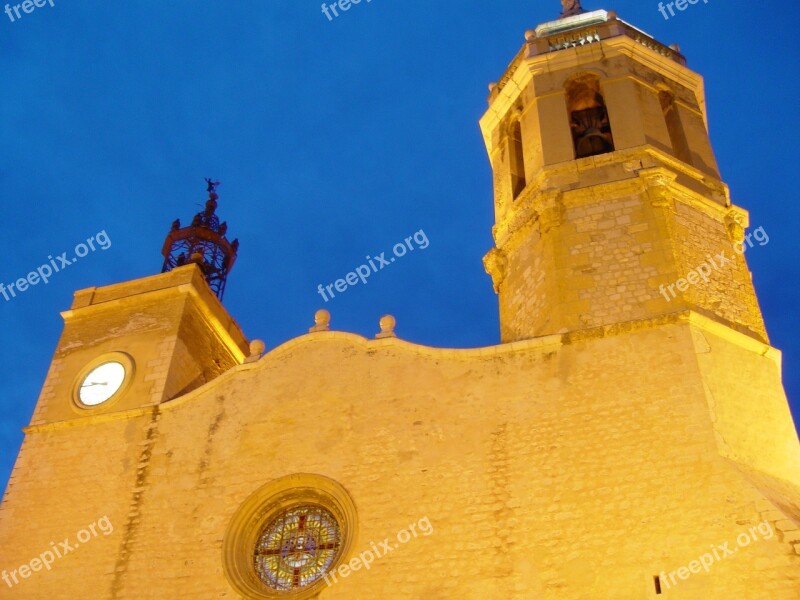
point(212, 189)
point(571, 7)
point(212, 185)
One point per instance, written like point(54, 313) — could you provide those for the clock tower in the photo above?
point(138, 344)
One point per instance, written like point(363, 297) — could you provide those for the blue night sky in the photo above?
point(333, 141)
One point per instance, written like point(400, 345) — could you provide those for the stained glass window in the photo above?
point(297, 547)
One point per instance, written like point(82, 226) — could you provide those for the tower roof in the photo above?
point(203, 243)
point(575, 28)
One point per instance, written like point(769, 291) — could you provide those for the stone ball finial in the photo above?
point(387, 324)
point(257, 348)
point(530, 35)
point(322, 320)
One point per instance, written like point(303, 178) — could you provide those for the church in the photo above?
point(628, 439)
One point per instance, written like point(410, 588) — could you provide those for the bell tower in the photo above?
point(607, 194)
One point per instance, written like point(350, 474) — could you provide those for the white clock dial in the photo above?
point(101, 383)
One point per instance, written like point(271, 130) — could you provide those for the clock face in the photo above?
point(101, 383)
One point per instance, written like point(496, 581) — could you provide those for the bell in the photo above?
point(593, 142)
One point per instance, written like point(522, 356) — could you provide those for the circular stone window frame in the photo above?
point(127, 362)
point(260, 508)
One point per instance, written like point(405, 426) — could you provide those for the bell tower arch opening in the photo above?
point(516, 150)
point(677, 135)
point(588, 116)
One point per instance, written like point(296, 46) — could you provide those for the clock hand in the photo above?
point(94, 383)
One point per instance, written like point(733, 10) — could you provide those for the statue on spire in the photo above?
point(571, 7)
point(212, 188)
point(212, 185)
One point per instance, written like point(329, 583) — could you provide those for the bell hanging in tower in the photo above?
point(202, 243)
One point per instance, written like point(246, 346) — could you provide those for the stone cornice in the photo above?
point(545, 344)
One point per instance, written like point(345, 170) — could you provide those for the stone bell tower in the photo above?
point(606, 188)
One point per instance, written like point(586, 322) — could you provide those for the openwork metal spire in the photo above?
point(571, 7)
point(203, 243)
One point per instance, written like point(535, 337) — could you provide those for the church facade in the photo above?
point(628, 439)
